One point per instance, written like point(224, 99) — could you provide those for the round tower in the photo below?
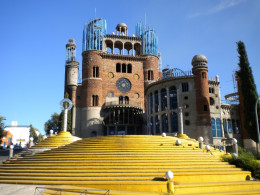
point(200, 71)
point(92, 72)
point(71, 77)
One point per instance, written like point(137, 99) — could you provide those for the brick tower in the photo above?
point(115, 70)
point(200, 71)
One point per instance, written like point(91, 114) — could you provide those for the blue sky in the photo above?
point(34, 33)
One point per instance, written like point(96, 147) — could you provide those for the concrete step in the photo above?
point(181, 177)
point(218, 187)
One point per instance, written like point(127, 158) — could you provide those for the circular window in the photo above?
point(136, 76)
point(136, 95)
point(123, 85)
point(212, 101)
point(110, 94)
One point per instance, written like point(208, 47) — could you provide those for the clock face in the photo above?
point(123, 85)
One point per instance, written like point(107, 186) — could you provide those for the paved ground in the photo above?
point(11, 189)
point(4, 154)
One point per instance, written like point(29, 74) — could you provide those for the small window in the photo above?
point(186, 97)
point(211, 90)
point(186, 114)
point(205, 108)
point(94, 100)
point(129, 68)
point(123, 68)
point(95, 72)
point(185, 87)
point(212, 101)
point(204, 75)
point(187, 122)
point(118, 67)
point(150, 75)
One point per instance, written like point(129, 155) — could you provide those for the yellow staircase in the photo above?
point(61, 139)
point(131, 164)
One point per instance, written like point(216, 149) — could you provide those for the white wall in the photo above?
point(20, 134)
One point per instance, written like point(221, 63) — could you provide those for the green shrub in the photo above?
point(246, 161)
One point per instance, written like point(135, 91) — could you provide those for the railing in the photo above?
point(123, 103)
point(42, 190)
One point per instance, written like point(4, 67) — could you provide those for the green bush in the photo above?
point(246, 161)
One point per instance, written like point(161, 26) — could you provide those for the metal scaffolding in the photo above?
point(149, 38)
point(93, 34)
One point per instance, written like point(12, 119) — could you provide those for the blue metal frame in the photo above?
point(149, 39)
point(93, 34)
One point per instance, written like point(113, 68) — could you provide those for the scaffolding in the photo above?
point(149, 39)
point(93, 34)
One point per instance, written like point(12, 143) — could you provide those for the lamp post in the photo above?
point(181, 120)
point(257, 128)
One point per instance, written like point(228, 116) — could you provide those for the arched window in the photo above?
point(151, 126)
point(123, 68)
point(120, 99)
point(219, 129)
point(94, 100)
point(151, 103)
point(163, 100)
point(173, 98)
point(229, 126)
point(165, 123)
point(129, 68)
point(156, 101)
point(157, 125)
point(174, 122)
point(213, 127)
point(126, 100)
point(95, 71)
point(150, 75)
point(118, 67)
point(204, 75)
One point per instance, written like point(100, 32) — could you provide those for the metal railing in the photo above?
point(123, 103)
point(58, 191)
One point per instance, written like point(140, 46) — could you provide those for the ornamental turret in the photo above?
point(71, 76)
point(200, 71)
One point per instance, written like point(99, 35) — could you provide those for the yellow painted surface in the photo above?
point(129, 164)
point(61, 139)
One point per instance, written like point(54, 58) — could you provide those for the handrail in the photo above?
point(119, 103)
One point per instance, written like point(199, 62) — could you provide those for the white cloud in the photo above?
point(224, 4)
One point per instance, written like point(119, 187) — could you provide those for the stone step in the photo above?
point(184, 177)
point(218, 187)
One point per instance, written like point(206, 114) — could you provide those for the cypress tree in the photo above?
point(248, 90)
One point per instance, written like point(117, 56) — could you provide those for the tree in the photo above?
point(33, 134)
point(2, 126)
point(53, 123)
point(248, 90)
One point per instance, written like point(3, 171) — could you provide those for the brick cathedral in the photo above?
point(123, 90)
